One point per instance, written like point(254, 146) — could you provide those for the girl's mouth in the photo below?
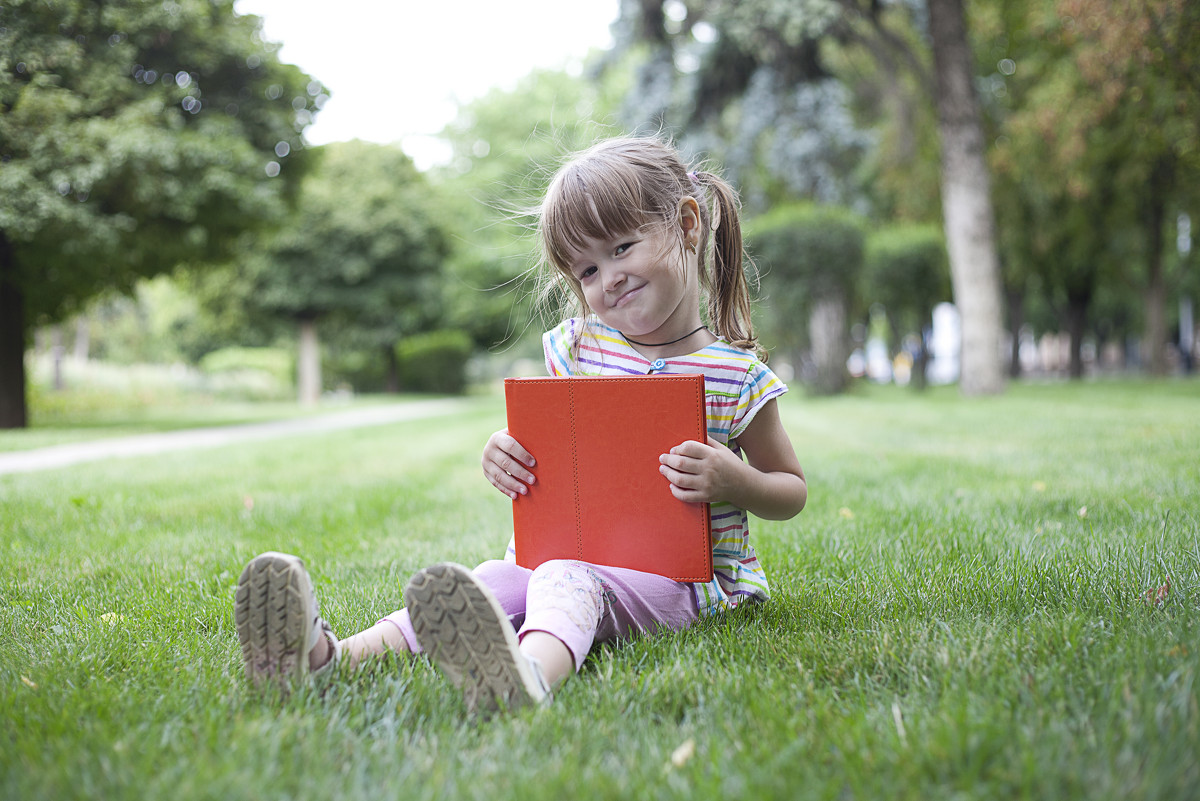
point(628, 296)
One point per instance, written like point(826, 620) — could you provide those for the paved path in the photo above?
point(147, 444)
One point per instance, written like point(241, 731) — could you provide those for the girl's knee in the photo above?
point(562, 568)
point(508, 582)
point(500, 570)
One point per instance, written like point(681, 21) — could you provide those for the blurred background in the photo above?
point(314, 201)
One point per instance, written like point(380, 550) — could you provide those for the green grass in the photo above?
point(960, 613)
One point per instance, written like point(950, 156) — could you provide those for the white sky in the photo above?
point(397, 69)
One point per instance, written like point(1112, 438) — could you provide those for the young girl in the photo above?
point(626, 227)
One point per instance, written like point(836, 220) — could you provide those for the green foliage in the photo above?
point(278, 363)
point(907, 271)
point(361, 249)
point(812, 251)
point(136, 136)
point(811, 259)
point(806, 254)
point(959, 613)
point(434, 362)
point(506, 146)
point(1094, 111)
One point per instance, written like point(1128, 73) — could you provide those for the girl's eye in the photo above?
point(587, 272)
point(623, 247)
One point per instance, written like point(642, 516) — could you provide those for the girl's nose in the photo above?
point(613, 278)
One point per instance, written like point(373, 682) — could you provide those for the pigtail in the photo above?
point(726, 285)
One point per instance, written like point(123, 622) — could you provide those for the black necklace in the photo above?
point(664, 344)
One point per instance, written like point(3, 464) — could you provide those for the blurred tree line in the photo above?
point(1070, 143)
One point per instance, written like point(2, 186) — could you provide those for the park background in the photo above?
point(993, 590)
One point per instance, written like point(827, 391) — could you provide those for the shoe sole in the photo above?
point(273, 613)
point(465, 631)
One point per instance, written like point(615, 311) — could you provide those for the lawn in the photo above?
point(986, 598)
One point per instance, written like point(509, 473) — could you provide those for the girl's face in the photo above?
point(644, 284)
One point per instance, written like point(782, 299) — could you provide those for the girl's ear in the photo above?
point(689, 220)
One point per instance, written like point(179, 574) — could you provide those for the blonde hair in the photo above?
point(636, 184)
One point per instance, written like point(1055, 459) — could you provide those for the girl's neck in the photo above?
point(689, 341)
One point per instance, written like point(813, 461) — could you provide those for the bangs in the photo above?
point(590, 201)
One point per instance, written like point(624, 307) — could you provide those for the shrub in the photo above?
point(261, 373)
point(811, 259)
point(908, 272)
point(434, 362)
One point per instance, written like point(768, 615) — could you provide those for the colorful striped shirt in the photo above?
point(737, 385)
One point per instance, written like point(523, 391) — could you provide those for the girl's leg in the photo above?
point(468, 631)
point(382, 638)
point(278, 620)
point(395, 634)
point(573, 605)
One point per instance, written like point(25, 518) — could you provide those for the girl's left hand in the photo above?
point(702, 472)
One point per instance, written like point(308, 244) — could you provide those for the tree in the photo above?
point(135, 136)
point(966, 201)
point(811, 259)
point(362, 251)
point(786, 37)
point(506, 145)
point(1138, 62)
point(1095, 129)
point(907, 272)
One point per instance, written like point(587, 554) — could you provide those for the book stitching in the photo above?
point(575, 472)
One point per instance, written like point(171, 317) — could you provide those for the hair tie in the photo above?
point(694, 177)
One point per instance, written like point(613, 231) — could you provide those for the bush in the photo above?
point(808, 252)
point(908, 272)
point(434, 362)
point(811, 259)
point(261, 373)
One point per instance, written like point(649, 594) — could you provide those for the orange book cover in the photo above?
point(599, 496)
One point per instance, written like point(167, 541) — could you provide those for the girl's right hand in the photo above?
point(507, 465)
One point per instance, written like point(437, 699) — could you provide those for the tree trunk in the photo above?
point(966, 202)
point(1155, 333)
point(920, 368)
point(392, 380)
point(14, 412)
point(83, 339)
point(308, 366)
point(57, 352)
point(1077, 311)
point(1016, 321)
point(827, 330)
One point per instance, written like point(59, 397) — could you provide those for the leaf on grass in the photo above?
point(248, 503)
point(112, 618)
point(1039, 486)
point(28, 682)
point(1157, 596)
point(898, 719)
point(846, 513)
point(681, 755)
point(1082, 512)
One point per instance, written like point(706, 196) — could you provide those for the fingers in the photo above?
point(687, 457)
point(506, 464)
point(695, 470)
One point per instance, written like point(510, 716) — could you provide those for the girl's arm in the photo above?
point(770, 484)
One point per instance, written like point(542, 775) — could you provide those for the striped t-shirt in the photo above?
point(736, 384)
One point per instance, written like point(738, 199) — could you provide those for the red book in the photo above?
point(599, 496)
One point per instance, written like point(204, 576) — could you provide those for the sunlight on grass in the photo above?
point(972, 606)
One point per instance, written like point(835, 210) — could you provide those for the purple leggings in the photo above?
point(581, 604)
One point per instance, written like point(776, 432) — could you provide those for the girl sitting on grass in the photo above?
point(626, 227)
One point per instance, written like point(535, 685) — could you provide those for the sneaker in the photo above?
point(462, 627)
point(278, 620)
